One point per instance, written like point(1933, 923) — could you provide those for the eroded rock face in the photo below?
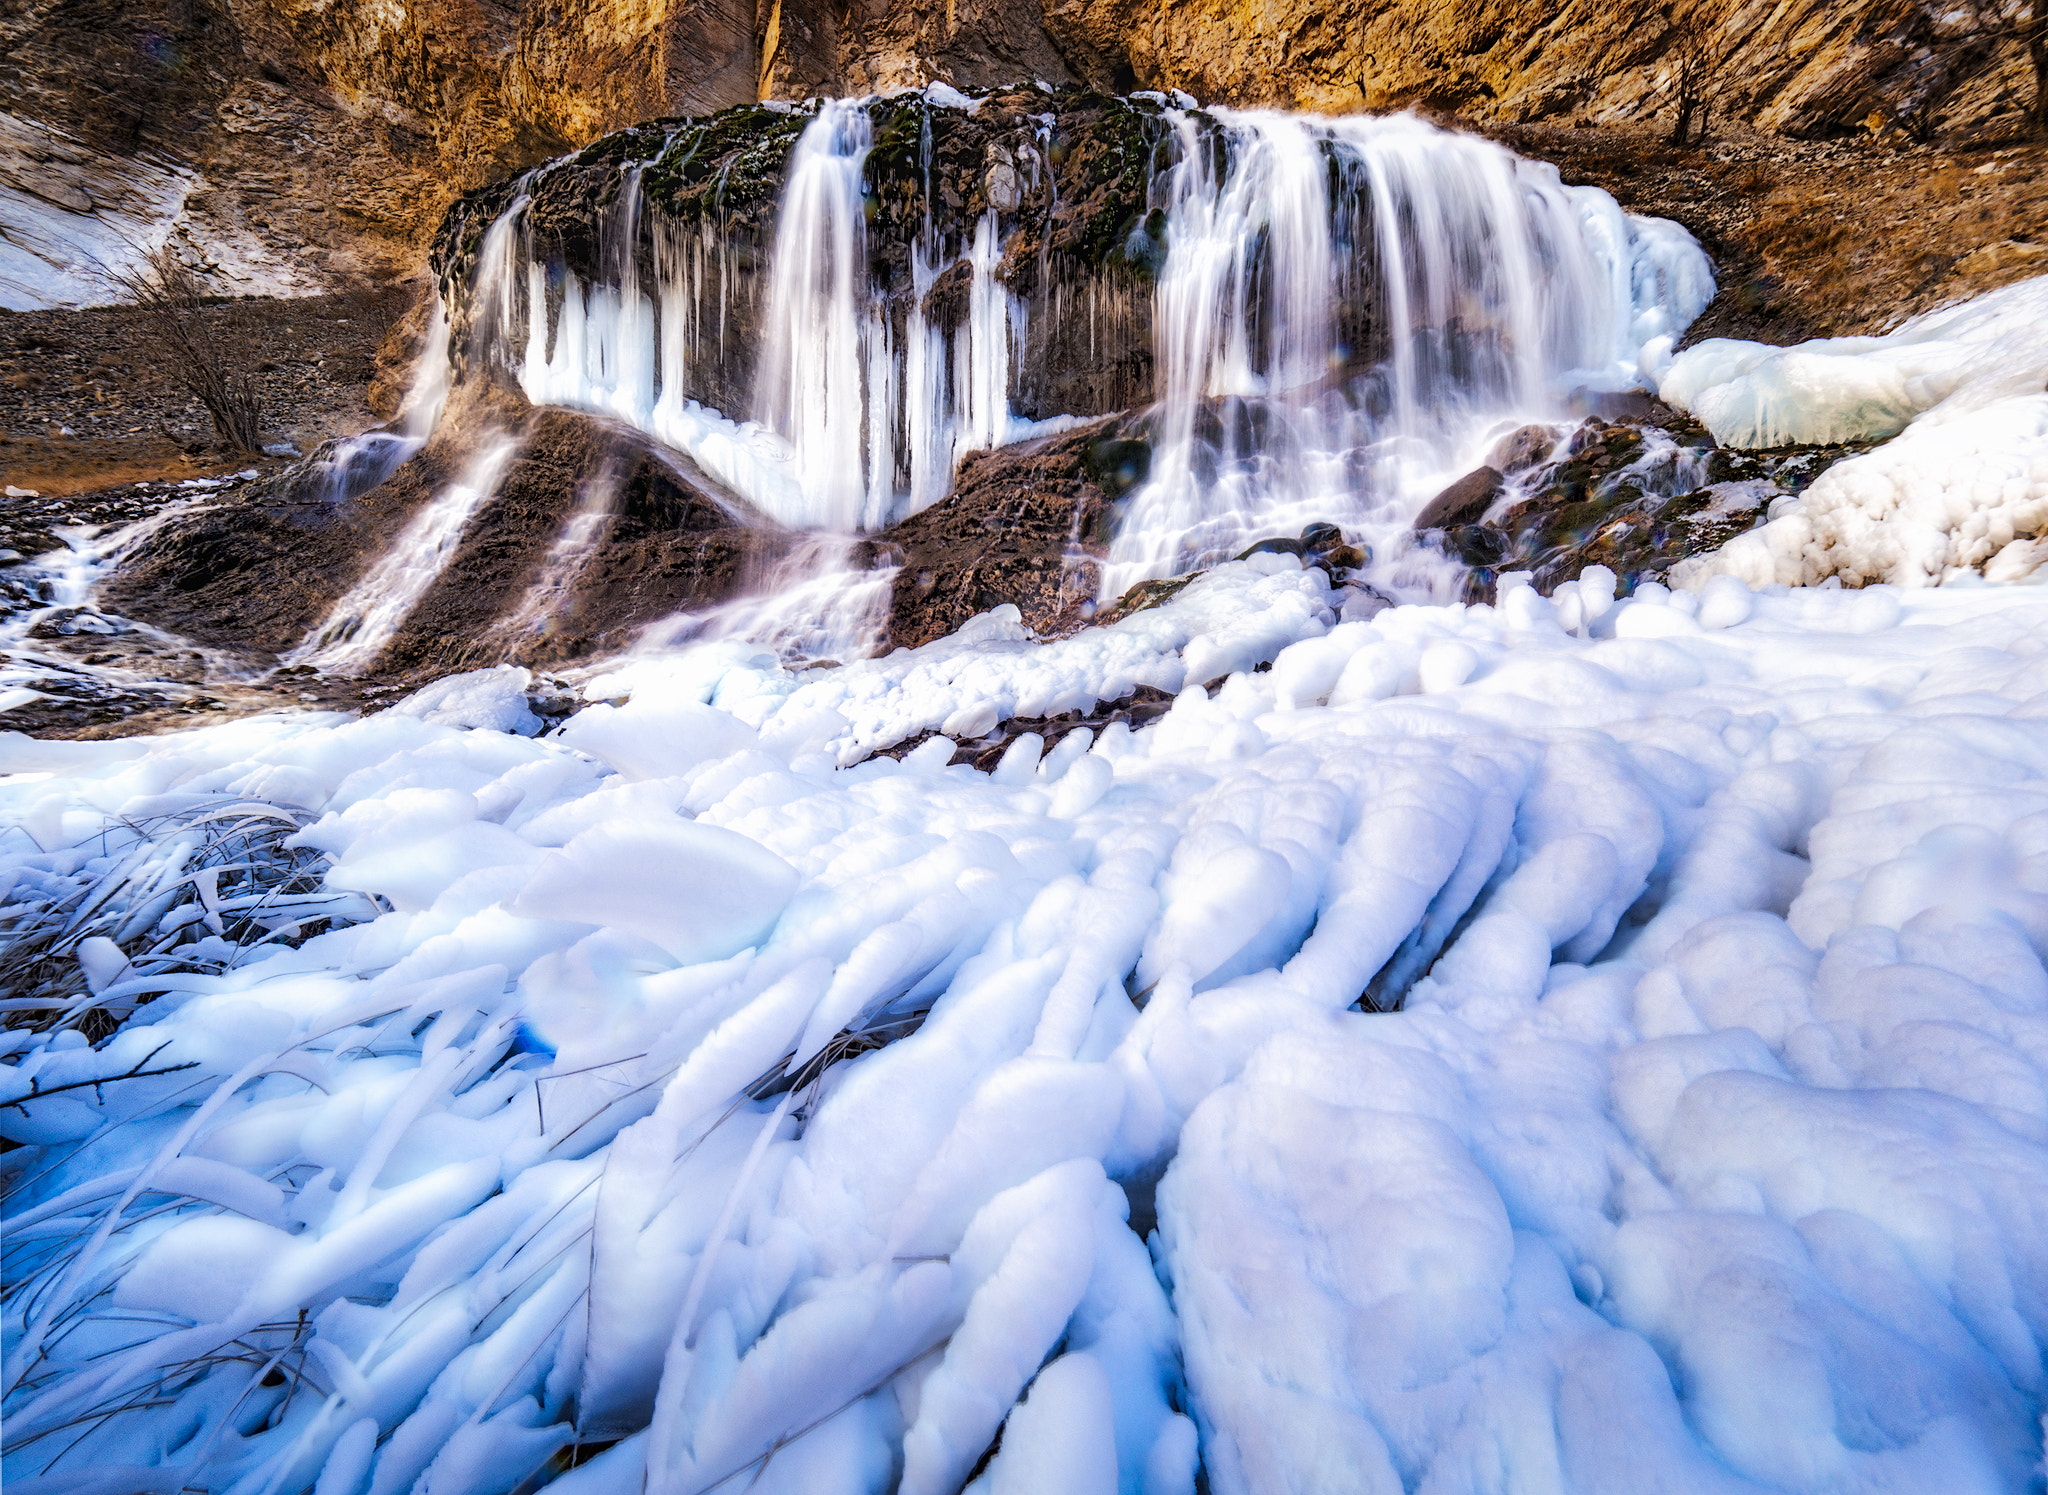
point(256, 573)
point(1025, 524)
point(333, 135)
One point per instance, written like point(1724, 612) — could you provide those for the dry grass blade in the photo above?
point(196, 891)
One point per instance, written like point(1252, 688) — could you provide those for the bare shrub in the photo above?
point(1689, 46)
point(182, 327)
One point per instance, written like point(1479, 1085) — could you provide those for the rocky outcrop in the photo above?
point(1025, 525)
point(1807, 67)
point(1634, 497)
point(256, 572)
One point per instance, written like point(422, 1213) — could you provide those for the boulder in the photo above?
point(1464, 502)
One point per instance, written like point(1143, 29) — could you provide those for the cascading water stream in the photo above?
point(368, 616)
point(823, 351)
point(356, 464)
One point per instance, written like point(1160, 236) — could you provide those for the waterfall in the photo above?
point(355, 464)
point(853, 427)
point(368, 617)
point(1351, 307)
point(823, 346)
point(1347, 312)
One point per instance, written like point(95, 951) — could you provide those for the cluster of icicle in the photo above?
point(852, 428)
point(1494, 293)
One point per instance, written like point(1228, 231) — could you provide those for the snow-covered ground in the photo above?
point(72, 218)
point(763, 1122)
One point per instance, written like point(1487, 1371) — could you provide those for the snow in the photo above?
point(1947, 499)
point(73, 217)
point(1959, 492)
point(1705, 1152)
point(1960, 358)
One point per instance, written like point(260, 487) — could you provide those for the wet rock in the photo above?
point(1633, 498)
point(945, 304)
point(1140, 708)
point(1025, 524)
point(1463, 502)
point(1522, 448)
point(1118, 463)
point(256, 572)
point(1147, 594)
point(65, 622)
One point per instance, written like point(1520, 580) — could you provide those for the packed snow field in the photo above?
point(759, 1116)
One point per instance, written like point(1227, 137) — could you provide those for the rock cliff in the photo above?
point(291, 143)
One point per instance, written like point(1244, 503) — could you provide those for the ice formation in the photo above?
point(1948, 362)
point(1960, 491)
point(1508, 294)
point(712, 1107)
point(842, 410)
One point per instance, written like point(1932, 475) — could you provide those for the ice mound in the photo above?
point(1962, 488)
point(1961, 358)
point(1951, 497)
point(701, 1108)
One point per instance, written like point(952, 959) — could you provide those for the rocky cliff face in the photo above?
point(294, 142)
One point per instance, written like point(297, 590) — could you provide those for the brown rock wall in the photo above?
point(338, 130)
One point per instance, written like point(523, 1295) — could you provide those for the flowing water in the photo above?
point(1349, 311)
point(356, 464)
point(812, 606)
point(1351, 308)
point(368, 617)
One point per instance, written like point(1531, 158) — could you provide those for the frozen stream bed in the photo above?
point(671, 1107)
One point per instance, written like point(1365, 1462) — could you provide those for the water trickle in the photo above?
point(356, 464)
point(575, 545)
point(814, 603)
point(368, 616)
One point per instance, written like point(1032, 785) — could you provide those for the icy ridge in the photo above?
point(1959, 492)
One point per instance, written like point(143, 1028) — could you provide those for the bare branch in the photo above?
point(172, 301)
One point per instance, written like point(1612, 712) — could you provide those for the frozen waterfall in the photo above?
point(853, 428)
point(1347, 310)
